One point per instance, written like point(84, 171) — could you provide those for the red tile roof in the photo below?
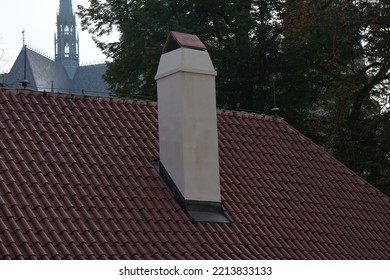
point(76, 183)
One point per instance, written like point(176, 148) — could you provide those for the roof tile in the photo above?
point(76, 183)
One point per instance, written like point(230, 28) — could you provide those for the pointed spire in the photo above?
point(67, 41)
point(66, 9)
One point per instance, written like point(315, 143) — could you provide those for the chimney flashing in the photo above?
point(196, 211)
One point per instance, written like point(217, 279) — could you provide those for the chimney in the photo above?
point(188, 126)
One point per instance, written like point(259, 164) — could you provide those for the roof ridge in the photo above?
point(115, 99)
point(247, 114)
point(37, 51)
point(110, 99)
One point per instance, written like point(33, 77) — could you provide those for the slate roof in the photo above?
point(86, 80)
point(76, 182)
point(45, 74)
point(40, 71)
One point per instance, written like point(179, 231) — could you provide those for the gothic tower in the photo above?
point(67, 39)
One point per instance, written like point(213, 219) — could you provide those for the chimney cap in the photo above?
point(178, 40)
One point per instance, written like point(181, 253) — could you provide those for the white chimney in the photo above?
point(188, 118)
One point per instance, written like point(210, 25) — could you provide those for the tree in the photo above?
point(338, 51)
point(240, 35)
point(326, 61)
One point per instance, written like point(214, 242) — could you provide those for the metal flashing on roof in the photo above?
point(178, 40)
point(197, 211)
point(206, 212)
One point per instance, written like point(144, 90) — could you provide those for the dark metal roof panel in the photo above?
point(89, 80)
point(42, 73)
point(45, 74)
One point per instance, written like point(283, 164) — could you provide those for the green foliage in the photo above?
point(336, 50)
point(327, 62)
point(134, 60)
point(240, 36)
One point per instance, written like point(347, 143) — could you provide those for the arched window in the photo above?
point(66, 50)
point(66, 30)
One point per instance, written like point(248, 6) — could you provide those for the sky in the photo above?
point(38, 19)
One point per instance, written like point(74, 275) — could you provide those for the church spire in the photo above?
point(66, 9)
point(67, 41)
